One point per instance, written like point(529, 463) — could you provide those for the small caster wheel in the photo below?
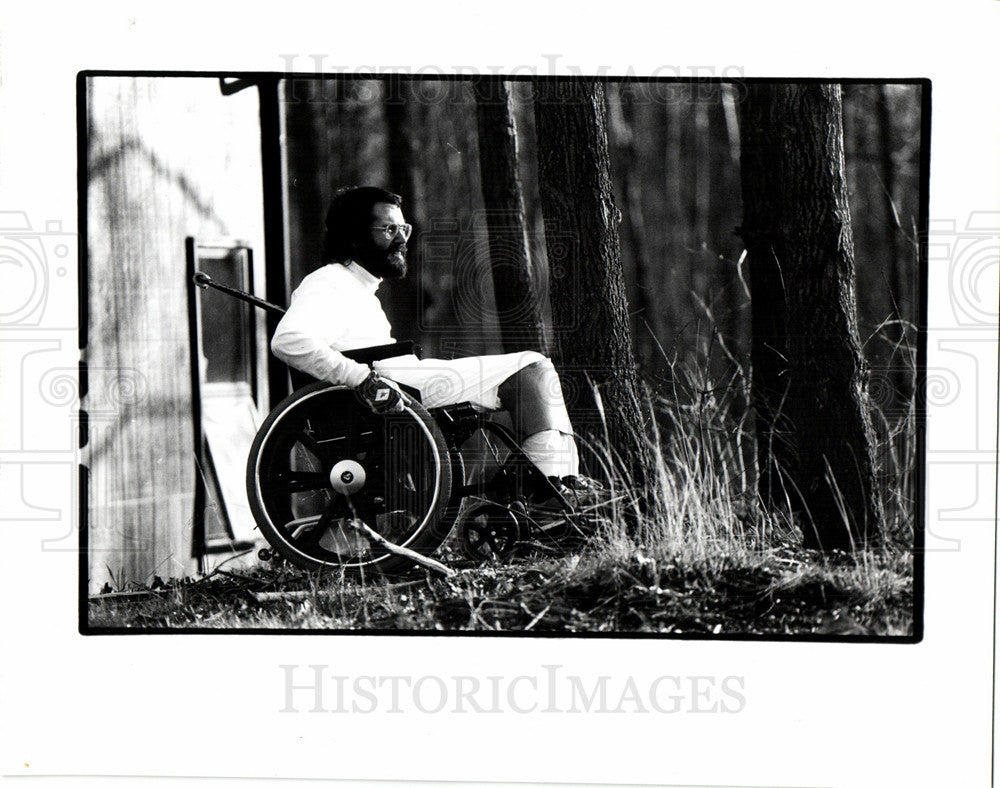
point(491, 531)
point(264, 554)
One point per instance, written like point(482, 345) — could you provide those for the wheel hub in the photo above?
point(347, 477)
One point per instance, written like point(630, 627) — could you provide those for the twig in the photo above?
point(271, 596)
point(123, 594)
point(218, 569)
point(369, 532)
point(537, 618)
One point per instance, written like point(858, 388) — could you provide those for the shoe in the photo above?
point(571, 508)
point(582, 483)
point(581, 492)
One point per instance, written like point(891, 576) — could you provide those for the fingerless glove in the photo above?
point(381, 395)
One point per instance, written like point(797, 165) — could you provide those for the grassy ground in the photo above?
point(708, 562)
point(783, 591)
point(704, 560)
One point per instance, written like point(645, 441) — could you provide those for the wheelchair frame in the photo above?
point(294, 439)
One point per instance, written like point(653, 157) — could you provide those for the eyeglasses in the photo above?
point(390, 230)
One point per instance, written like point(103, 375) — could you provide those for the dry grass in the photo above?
point(703, 559)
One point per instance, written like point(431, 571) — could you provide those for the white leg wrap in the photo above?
point(554, 453)
point(533, 397)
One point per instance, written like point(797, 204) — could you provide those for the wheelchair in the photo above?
point(323, 460)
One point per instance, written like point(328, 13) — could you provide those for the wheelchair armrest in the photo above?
point(366, 355)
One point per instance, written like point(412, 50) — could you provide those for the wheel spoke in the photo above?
point(363, 509)
point(288, 482)
point(318, 524)
point(329, 515)
point(311, 444)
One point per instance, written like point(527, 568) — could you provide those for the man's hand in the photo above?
point(381, 395)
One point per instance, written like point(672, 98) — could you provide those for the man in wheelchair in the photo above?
point(335, 309)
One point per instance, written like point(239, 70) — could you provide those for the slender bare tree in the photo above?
point(515, 285)
point(401, 297)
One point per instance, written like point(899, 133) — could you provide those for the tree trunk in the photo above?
point(699, 273)
point(401, 297)
point(622, 117)
point(674, 286)
point(902, 381)
point(306, 155)
point(515, 285)
point(735, 299)
point(809, 382)
point(589, 308)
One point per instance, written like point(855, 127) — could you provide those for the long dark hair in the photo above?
point(348, 219)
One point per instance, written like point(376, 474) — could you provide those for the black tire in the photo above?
point(405, 496)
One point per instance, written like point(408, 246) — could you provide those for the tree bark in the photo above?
point(674, 284)
point(622, 121)
point(515, 285)
point(809, 381)
point(306, 156)
point(702, 171)
point(401, 297)
point(901, 377)
point(589, 308)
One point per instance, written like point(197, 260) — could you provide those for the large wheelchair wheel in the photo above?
point(398, 466)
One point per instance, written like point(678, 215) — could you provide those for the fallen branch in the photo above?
point(405, 552)
point(275, 596)
point(124, 594)
point(307, 593)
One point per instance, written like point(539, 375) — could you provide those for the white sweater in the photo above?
point(335, 309)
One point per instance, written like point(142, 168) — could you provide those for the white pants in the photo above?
point(476, 379)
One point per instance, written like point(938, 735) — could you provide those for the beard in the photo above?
point(384, 263)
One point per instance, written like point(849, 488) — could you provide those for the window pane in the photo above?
point(226, 335)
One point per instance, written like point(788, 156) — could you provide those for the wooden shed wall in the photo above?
point(167, 158)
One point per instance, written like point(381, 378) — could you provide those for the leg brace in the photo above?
point(534, 399)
